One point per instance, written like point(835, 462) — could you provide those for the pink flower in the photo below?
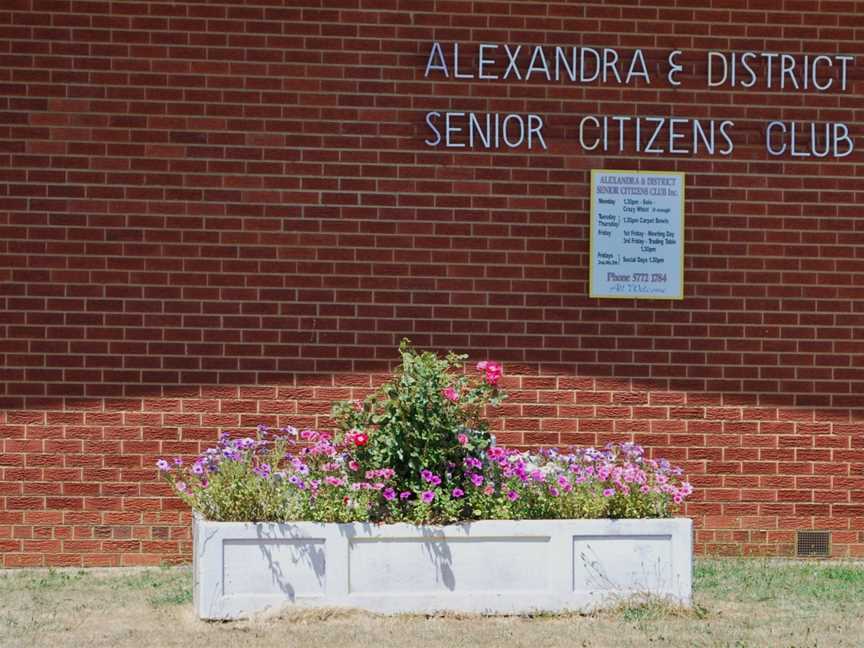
point(513, 496)
point(180, 486)
point(450, 394)
point(389, 494)
point(404, 495)
point(477, 480)
point(427, 496)
point(609, 492)
point(353, 465)
point(463, 439)
point(492, 370)
point(458, 492)
point(489, 489)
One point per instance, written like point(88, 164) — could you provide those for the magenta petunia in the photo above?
point(427, 496)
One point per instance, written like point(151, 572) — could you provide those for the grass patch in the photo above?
point(772, 580)
point(39, 580)
point(738, 604)
point(163, 586)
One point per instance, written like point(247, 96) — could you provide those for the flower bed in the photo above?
point(419, 451)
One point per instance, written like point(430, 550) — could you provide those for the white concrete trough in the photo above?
point(488, 567)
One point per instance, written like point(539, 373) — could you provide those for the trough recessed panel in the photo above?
point(289, 567)
point(419, 565)
point(622, 563)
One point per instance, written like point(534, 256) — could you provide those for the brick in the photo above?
point(193, 247)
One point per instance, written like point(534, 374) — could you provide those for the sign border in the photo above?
point(591, 236)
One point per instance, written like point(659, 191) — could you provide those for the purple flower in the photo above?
point(477, 480)
point(427, 496)
point(513, 495)
point(426, 475)
point(609, 492)
point(404, 495)
point(435, 481)
point(458, 492)
point(262, 471)
point(163, 465)
point(178, 461)
point(180, 486)
point(473, 462)
point(389, 494)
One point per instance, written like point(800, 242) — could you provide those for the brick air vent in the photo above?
point(813, 544)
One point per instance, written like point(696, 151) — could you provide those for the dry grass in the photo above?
point(739, 604)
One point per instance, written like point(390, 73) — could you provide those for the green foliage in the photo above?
point(236, 492)
point(411, 423)
point(419, 450)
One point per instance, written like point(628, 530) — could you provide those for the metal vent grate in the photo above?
point(814, 544)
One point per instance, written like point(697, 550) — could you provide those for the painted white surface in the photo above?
point(494, 567)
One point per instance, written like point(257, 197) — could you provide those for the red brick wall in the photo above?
point(215, 214)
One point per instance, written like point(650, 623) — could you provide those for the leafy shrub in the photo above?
point(429, 417)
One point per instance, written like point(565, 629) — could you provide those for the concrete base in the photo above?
point(491, 567)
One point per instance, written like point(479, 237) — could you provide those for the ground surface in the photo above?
point(739, 604)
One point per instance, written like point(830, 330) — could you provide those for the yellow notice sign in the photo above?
point(637, 235)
